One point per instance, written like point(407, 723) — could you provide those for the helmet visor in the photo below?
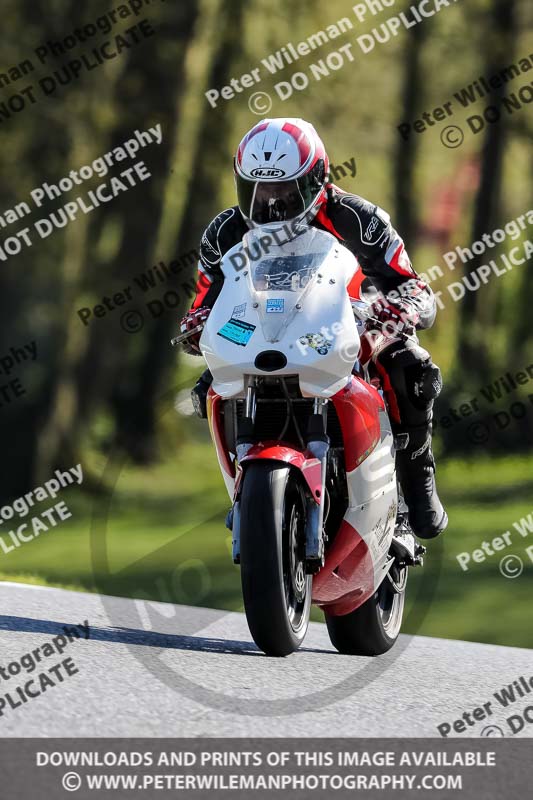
point(278, 201)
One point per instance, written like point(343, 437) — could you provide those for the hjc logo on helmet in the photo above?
point(267, 172)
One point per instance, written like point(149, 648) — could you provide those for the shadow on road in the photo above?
point(201, 644)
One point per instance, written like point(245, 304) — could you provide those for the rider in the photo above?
point(281, 174)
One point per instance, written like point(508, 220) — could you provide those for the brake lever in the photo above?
point(184, 336)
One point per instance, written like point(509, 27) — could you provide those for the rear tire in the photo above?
point(276, 589)
point(373, 628)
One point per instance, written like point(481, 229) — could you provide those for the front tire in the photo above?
point(373, 628)
point(276, 589)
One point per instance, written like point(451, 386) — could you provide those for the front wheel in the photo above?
point(373, 628)
point(276, 589)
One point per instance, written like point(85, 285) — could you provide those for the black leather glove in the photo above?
point(394, 317)
point(194, 318)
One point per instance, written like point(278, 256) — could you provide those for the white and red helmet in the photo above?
point(281, 170)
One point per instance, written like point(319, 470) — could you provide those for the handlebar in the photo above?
point(357, 313)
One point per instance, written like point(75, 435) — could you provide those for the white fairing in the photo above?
point(291, 299)
point(373, 499)
point(294, 300)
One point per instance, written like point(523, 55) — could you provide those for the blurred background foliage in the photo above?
point(109, 398)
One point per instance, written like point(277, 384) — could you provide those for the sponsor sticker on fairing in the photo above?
point(237, 332)
point(275, 306)
point(317, 342)
point(239, 311)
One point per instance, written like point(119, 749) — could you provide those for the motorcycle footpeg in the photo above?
point(420, 552)
point(406, 550)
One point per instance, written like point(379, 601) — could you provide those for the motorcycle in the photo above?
point(305, 448)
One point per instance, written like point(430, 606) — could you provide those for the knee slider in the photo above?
point(424, 383)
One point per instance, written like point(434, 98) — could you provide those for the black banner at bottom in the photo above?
point(245, 768)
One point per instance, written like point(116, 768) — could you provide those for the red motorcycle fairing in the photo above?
point(347, 578)
point(217, 432)
point(358, 405)
point(308, 465)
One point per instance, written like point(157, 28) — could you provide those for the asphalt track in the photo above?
point(162, 670)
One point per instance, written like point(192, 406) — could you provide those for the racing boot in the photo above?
point(415, 468)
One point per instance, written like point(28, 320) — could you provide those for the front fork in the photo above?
point(317, 445)
point(244, 442)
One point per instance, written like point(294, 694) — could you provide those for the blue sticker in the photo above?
point(275, 306)
point(237, 331)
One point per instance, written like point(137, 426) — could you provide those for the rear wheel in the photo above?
point(276, 589)
point(372, 628)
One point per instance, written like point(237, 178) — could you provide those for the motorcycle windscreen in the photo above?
point(281, 273)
